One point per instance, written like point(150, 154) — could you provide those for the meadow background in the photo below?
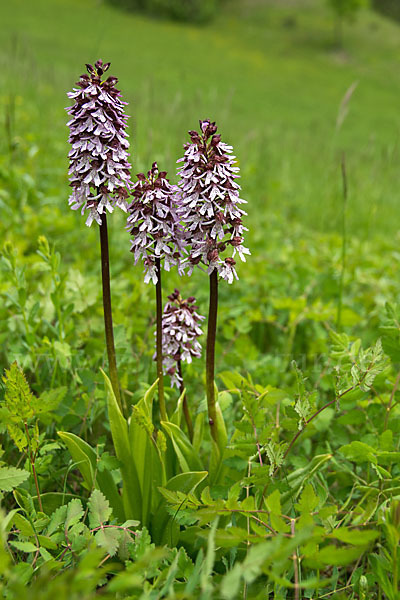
point(272, 77)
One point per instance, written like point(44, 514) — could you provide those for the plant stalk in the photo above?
point(108, 324)
point(185, 405)
point(210, 354)
point(161, 399)
point(32, 458)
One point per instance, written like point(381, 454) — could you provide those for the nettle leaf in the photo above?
point(10, 478)
point(99, 509)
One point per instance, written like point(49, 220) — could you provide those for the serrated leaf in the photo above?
point(99, 509)
point(273, 503)
point(57, 519)
point(108, 539)
point(23, 525)
point(24, 546)
point(74, 513)
point(18, 396)
point(10, 478)
point(308, 500)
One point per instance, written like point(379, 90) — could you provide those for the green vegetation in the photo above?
point(301, 498)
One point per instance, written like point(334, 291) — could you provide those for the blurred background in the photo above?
point(291, 83)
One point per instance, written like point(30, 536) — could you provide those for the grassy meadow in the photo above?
point(292, 104)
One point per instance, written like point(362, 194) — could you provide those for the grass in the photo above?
point(265, 71)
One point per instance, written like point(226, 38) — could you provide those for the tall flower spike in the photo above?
point(99, 171)
point(180, 330)
point(210, 211)
point(153, 223)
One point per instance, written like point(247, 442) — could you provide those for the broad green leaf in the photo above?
point(144, 455)
point(188, 459)
point(198, 432)
point(131, 494)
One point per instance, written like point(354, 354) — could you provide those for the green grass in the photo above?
point(267, 72)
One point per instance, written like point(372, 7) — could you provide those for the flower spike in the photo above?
point(153, 223)
point(99, 171)
point(210, 210)
point(180, 332)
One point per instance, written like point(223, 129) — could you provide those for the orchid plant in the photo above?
point(211, 215)
point(99, 172)
point(154, 226)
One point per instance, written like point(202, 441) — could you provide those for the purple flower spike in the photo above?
point(180, 330)
point(99, 171)
point(210, 211)
point(154, 224)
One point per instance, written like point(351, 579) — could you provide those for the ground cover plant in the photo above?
point(258, 456)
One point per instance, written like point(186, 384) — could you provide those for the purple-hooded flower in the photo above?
point(210, 203)
point(180, 330)
point(153, 223)
point(99, 171)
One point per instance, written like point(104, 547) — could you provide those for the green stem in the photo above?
point(108, 324)
point(161, 399)
point(185, 406)
point(210, 354)
point(32, 458)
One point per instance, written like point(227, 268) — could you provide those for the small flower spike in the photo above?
point(180, 330)
point(153, 223)
point(99, 171)
point(210, 203)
